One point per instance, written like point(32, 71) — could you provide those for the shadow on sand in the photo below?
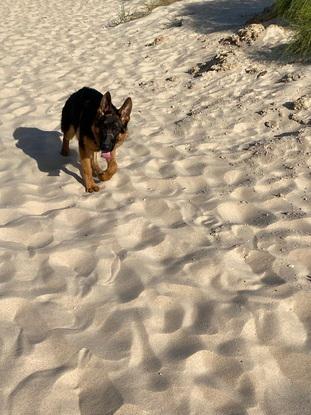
point(280, 54)
point(218, 15)
point(44, 147)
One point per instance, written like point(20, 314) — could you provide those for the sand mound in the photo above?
point(247, 35)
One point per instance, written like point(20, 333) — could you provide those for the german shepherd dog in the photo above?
point(98, 126)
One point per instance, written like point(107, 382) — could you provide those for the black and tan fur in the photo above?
point(98, 126)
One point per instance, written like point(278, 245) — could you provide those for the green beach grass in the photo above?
point(298, 14)
point(126, 16)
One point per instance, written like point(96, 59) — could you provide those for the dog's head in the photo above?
point(110, 124)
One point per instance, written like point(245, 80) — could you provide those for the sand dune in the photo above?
point(183, 286)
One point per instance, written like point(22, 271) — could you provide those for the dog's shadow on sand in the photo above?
point(44, 147)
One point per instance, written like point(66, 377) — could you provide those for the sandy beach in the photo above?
point(183, 287)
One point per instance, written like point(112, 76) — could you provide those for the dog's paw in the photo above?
point(92, 188)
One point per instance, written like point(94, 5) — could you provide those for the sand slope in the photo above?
point(183, 286)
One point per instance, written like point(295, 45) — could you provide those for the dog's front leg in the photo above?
point(86, 155)
point(95, 167)
point(111, 168)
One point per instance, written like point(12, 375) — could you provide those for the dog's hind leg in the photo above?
point(68, 135)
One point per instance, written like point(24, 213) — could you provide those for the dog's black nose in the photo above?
point(108, 143)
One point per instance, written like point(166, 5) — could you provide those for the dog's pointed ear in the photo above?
point(105, 103)
point(125, 111)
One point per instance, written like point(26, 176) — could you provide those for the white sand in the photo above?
point(182, 287)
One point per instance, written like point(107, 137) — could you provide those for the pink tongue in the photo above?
point(106, 156)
